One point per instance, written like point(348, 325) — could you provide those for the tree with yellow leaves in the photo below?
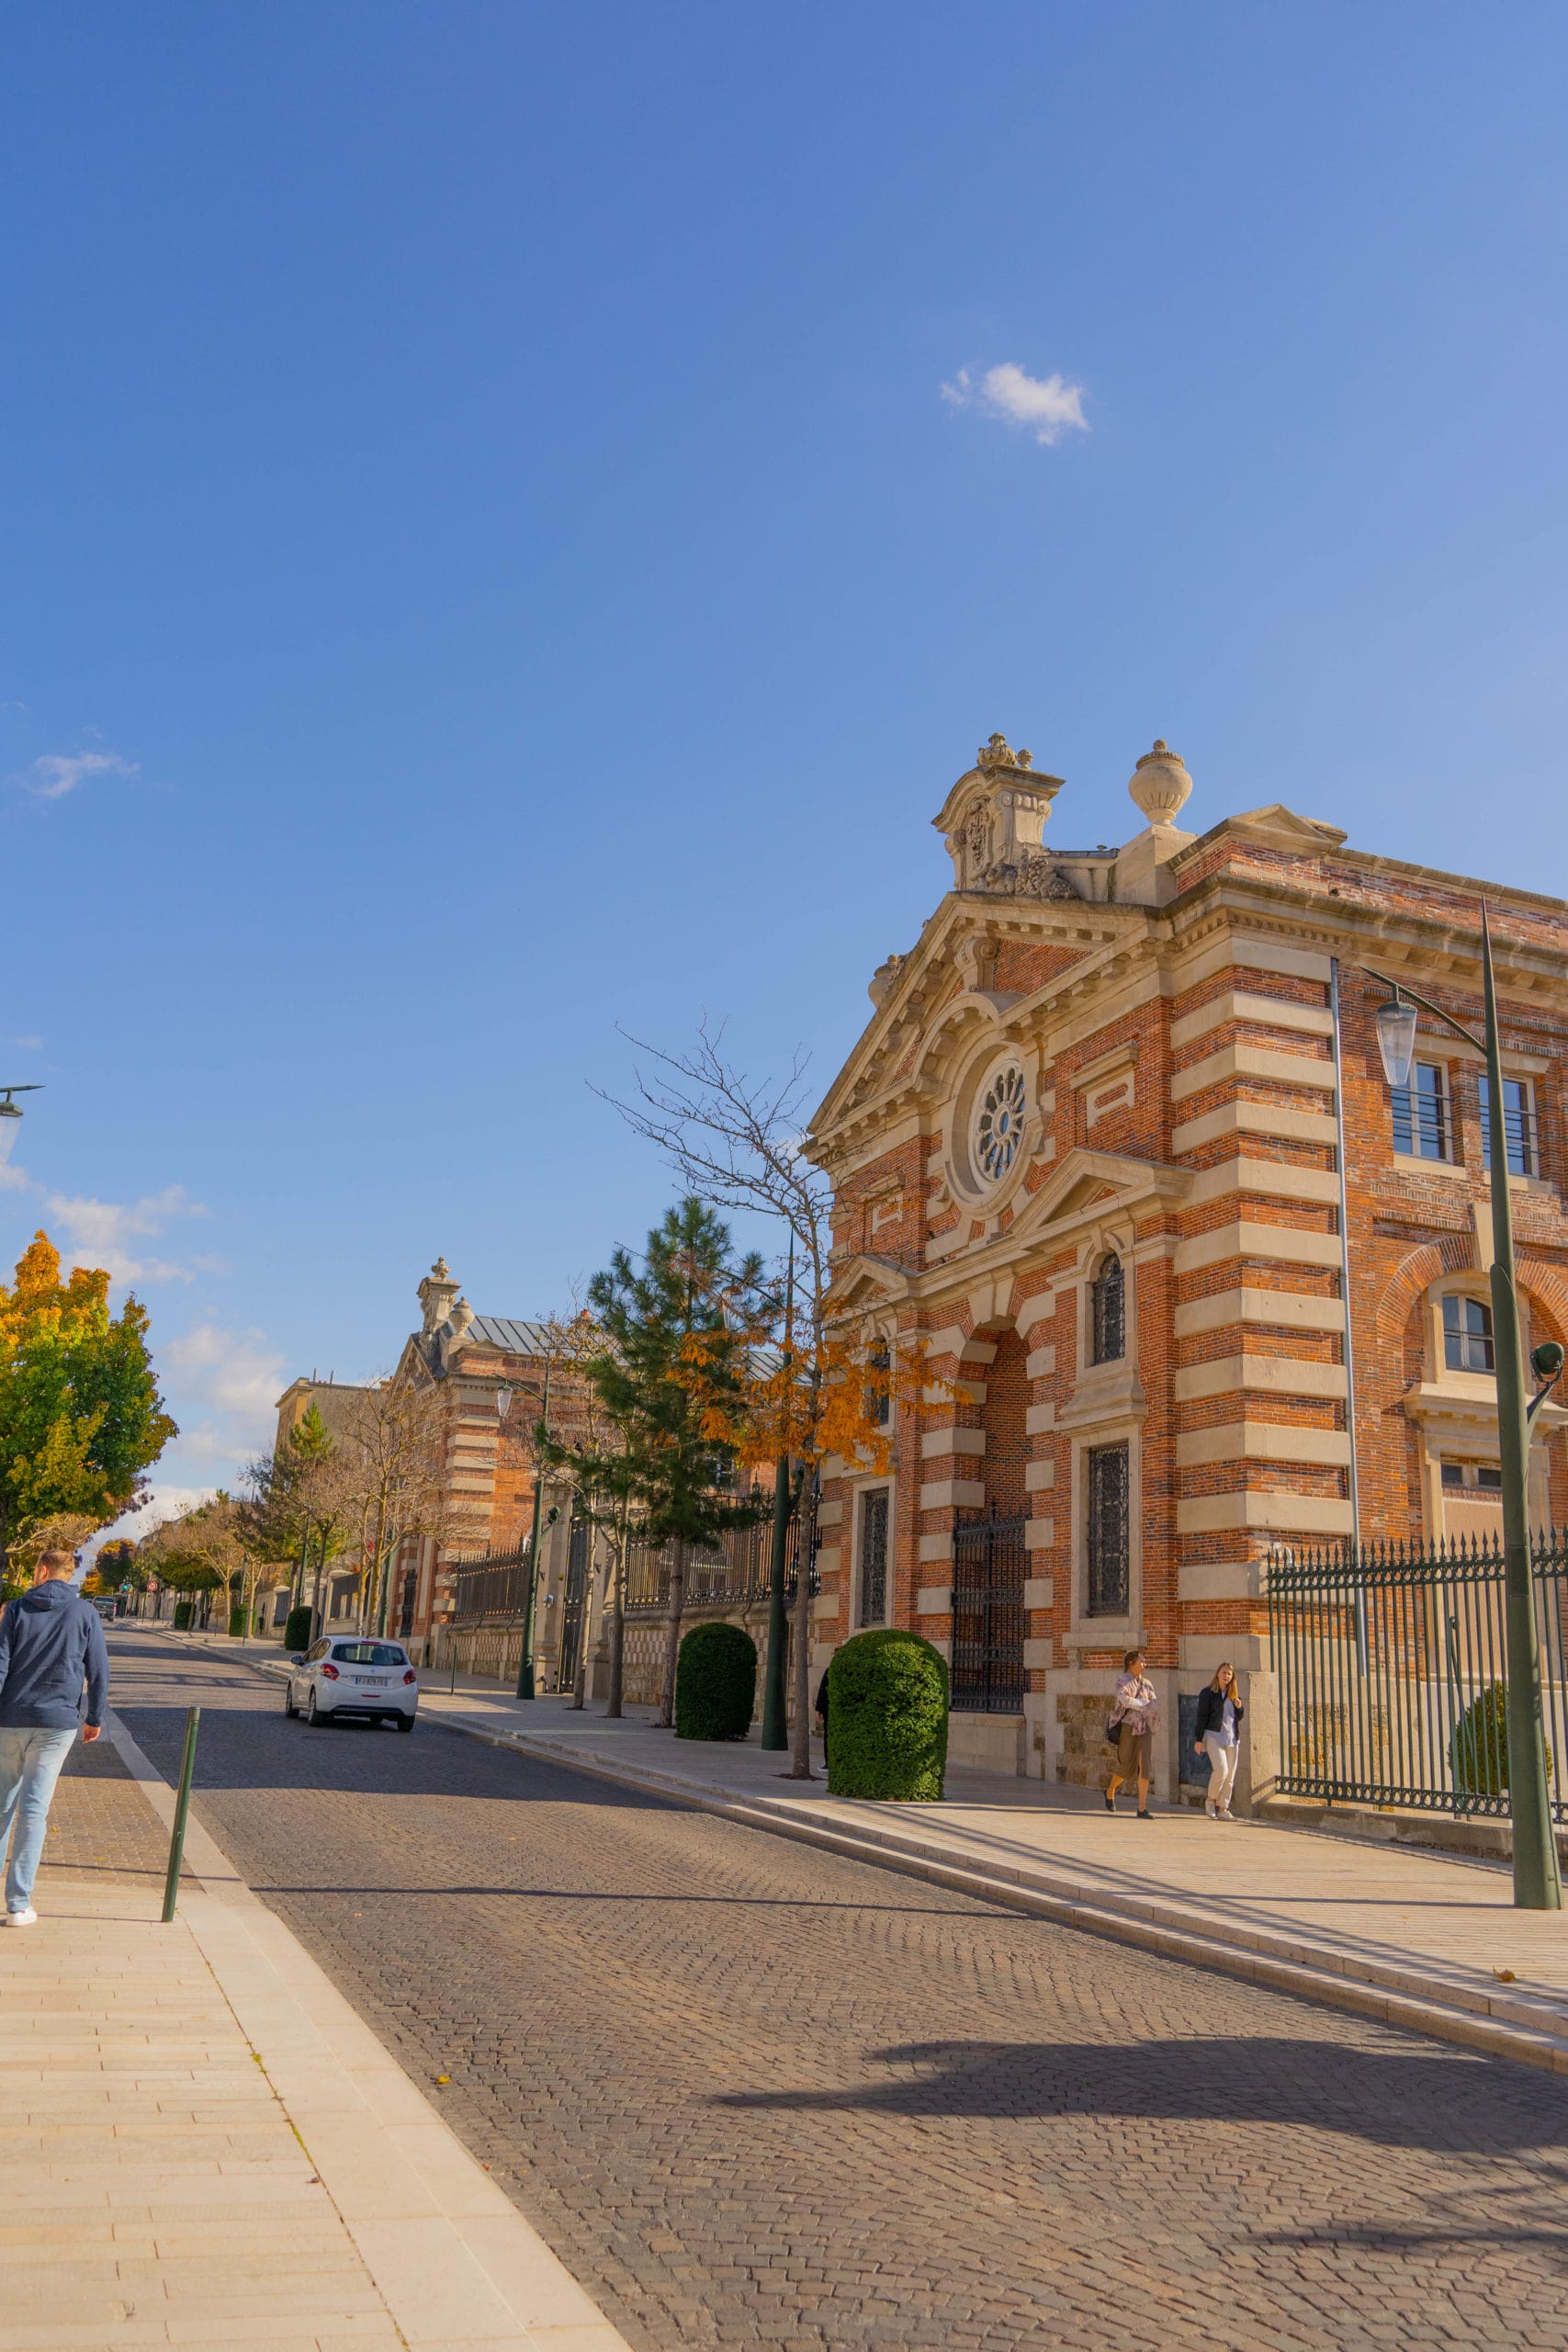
point(81, 1418)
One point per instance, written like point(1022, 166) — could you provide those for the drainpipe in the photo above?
point(1345, 1293)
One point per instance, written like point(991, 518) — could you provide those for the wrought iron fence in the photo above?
point(491, 1588)
point(494, 1588)
point(1392, 1667)
point(738, 1572)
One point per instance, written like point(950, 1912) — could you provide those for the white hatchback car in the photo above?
point(350, 1676)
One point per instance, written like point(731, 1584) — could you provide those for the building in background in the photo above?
point(1092, 1151)
point(482, 1378)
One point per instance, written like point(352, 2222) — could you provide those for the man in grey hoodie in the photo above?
point(52, 1641)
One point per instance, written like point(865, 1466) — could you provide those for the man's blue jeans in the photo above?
point(30, 1764)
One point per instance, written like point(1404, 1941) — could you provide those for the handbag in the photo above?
point(1113, 1734)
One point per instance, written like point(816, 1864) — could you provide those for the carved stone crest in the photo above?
point(1030, 876)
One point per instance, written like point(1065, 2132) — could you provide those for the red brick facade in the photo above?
point(1168, 1047)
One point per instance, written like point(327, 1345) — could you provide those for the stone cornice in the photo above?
point(1391, 938)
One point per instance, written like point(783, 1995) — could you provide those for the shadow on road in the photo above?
point(1257, 2078)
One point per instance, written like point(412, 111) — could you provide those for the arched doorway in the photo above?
point(989, 1562)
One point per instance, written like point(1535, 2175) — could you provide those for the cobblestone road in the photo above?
point(756, 2095)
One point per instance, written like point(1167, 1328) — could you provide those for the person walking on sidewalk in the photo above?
point(52, 1641)
point(1219, 1737)
point(1134, 1719)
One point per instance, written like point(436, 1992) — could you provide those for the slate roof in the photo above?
point(500, 1331)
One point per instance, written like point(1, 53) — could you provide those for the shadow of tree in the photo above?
point(1479, 2104)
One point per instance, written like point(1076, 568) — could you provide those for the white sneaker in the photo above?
point(27, 1918)
point(1227, 1815)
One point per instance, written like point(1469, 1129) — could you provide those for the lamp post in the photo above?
point(775, 1732)
point(1537, 1884)
point(526, 1661)
point(11, 1118)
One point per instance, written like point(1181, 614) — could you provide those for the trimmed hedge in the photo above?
point(1479, 1747)
point(239, 1623)
point(716, 1682)
point(296, 1633)
point(183, 1611)
point(888, 1717)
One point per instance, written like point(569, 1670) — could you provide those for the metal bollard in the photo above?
point(182, 1806)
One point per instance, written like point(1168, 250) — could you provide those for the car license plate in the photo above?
point(372, 1681)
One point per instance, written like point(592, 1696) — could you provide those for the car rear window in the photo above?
point(368, 1653)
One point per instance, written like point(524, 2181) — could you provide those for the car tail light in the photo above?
point(332, 1673)
point(411, 1676)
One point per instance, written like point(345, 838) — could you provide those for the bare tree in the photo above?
point(394, 1464)
point(737, 1142)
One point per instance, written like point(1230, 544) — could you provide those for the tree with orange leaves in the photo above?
point(816, 1389)
point(81, 1419)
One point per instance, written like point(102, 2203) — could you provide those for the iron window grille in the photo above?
point(1518, 1126)
point(1423, 1128)
point(874, 1556)
point(1108, 1312)
point(1109, 1580)
point(1467, 1335)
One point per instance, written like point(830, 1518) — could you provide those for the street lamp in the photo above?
point(11, 1118)
point(1538, 1882)
point(525, 1660)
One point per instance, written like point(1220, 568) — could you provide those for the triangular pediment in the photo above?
point(1284, 824)
point(864, 1283)
point(1089, 1183)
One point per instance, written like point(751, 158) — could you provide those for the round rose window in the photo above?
point(999, 1127)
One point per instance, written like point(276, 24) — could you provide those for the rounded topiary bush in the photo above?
point(239, 1623)
point(296, 1632)
point(716, 1682)
point(1478, 1749)
point(888, 1717)
point(183, 1611)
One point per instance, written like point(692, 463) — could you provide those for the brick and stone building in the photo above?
point(463, 1364)
point(1117, 1150)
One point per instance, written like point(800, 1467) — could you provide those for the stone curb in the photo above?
point(453, 2259)
point(1536, 2032)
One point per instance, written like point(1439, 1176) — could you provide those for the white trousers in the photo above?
point(1222, 1761)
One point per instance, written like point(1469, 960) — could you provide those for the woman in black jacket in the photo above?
point(1220, 1713)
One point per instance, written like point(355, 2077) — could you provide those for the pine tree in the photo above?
point(683, 1303)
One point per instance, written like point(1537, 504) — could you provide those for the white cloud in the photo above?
point(29, 1045)
point(234, 1371)
point(1048, 405)
point(104, 1233)
point(58, 773)
point(160, 1502)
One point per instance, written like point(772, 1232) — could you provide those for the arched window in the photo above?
point(1467, 1334)
point(879, 1385)
point(1108, 1315)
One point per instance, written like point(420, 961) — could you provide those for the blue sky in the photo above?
point(489, 558)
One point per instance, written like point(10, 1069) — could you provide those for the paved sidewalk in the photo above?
point(203, 2144)
point(1415, 1938)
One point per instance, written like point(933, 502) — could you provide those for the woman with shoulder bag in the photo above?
point(1134, 1719)
point(1220, 1713)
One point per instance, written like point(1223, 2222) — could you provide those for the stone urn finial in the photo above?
point(1160, 785)
point(457, 1323)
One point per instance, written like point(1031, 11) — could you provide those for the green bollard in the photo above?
point(182, 1806)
